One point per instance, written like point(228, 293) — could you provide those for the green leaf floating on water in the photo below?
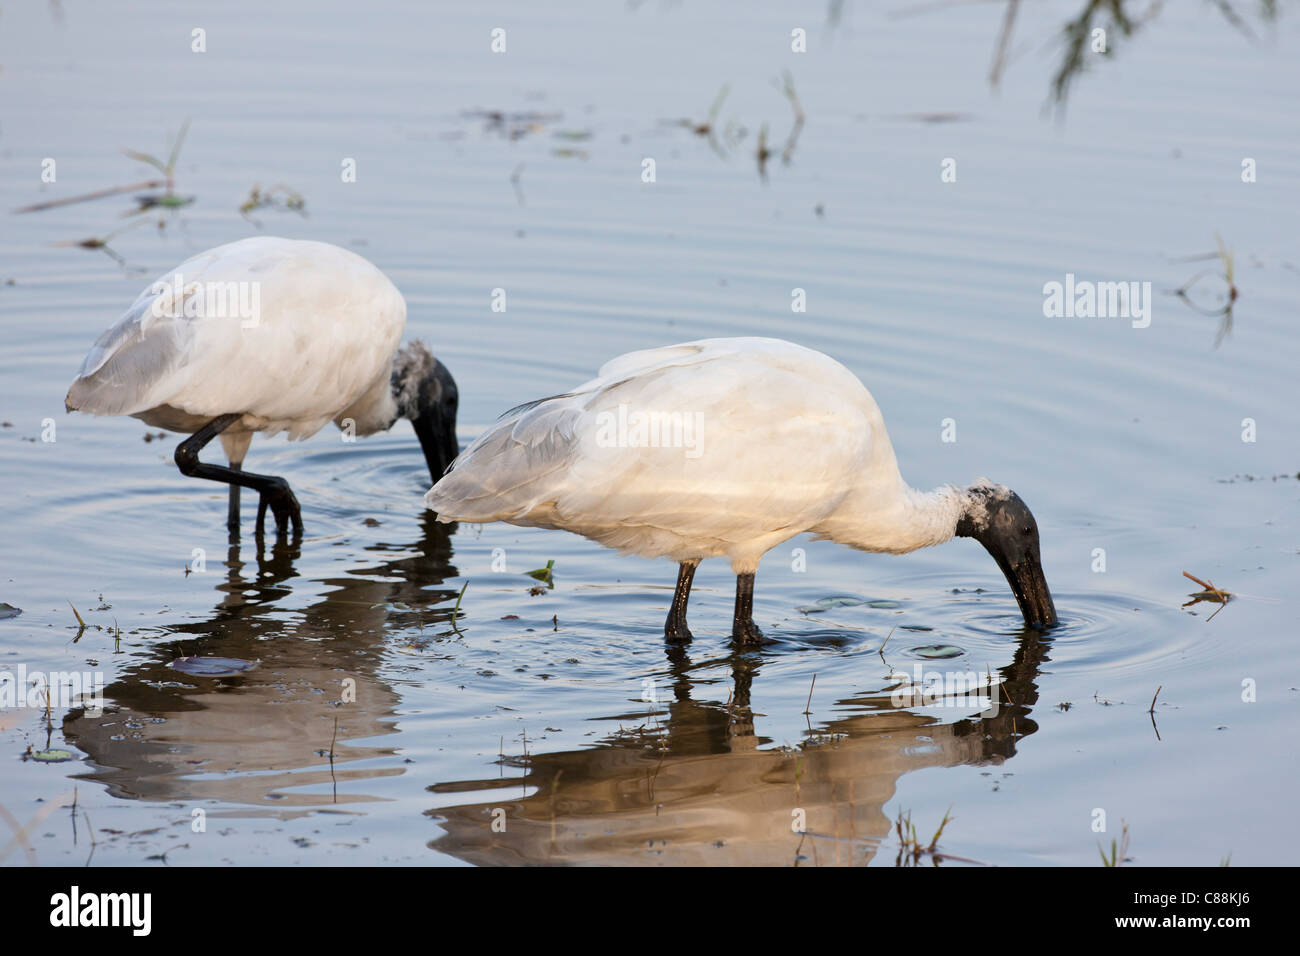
point(8, 610)
point(50, 756)
point(937, 651)
point(544, 574)
point(883, 604)
point(211, 666)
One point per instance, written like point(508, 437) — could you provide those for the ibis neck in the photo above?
point(895, 518)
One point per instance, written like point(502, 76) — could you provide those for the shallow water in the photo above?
point(1120, 438)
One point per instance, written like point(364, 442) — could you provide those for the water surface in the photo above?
point(534, 705)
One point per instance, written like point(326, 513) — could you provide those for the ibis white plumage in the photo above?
point(268, 335)
point(726, 448)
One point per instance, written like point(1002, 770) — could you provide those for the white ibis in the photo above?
point(726, 448)
point(268, 335)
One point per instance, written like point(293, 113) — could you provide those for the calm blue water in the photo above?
point(1122, 439)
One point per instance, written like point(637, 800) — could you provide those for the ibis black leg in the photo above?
point(274, 492)
point(743, 628)
point(675, 630)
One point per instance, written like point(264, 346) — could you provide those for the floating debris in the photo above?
point(1235, 478)
point(791, 140)
point(167, 199)
point(97, 194)
point(938, 651)
point(278, 196)
point(544, 575)
point(1228, 296)
point(99, 243)
point(709, 127)
point(49, 756)
point(827, 603)
point(212, 666)
point(911, 851)
point(513, 126)
point(934, 117)
point(1118, 849)
point(1208, 593)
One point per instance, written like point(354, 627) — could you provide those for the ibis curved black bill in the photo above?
point(1032, 594)
point(999, 520)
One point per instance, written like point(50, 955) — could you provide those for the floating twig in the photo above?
point(97, 194)
point(882, 647)
point(1208, 593)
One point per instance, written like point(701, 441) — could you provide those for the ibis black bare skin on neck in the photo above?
point(999, 520)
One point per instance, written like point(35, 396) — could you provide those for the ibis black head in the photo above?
point(999, 520)
point(427, 395)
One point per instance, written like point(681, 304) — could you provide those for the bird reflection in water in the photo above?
point(697, 786)
point(261, 738)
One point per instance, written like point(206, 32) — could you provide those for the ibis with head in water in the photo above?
point(726, 448)
point(268, 335)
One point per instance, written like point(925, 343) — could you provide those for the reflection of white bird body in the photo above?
point(715, 448)
point(265, 335)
